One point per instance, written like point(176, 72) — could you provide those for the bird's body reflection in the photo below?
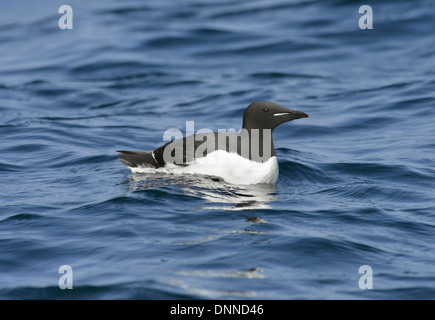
point(217, 193)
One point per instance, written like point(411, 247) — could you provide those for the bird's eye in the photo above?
point(266, 109)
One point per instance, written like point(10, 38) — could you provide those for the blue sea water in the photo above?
point(357, 178)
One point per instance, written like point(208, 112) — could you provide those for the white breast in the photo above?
point(229, 166)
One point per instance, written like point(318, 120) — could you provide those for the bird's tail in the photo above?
point(134, 159)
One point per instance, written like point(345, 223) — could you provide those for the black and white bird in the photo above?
point(246, 157)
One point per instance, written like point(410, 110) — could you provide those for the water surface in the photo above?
point(357, 178)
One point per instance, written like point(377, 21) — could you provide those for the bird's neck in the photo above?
point(263, 140)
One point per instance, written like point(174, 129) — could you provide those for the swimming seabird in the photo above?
point(247, 157)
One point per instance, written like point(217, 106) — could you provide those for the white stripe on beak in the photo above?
point(281, 114)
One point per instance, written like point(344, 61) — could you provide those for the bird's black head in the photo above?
point(268, 115)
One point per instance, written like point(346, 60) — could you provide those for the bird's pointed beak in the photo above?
point(291, 115)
